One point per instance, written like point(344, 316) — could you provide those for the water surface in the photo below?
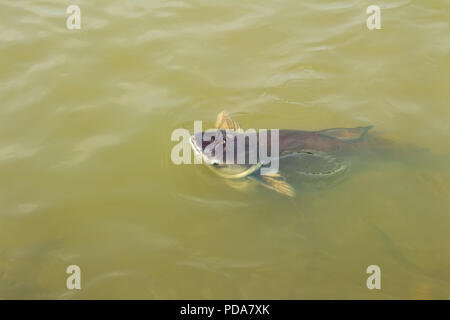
point(85, 171)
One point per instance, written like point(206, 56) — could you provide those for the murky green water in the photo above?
point(85, 171)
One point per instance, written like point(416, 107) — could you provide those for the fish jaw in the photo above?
point(195, 148)
point(199, 154)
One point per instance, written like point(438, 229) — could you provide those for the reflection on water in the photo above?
point(85, 171)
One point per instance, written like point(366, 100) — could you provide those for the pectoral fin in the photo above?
point(225, 122)
point(346, 134)
point(278, 183)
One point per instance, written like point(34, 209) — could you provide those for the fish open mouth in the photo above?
point(195, 147)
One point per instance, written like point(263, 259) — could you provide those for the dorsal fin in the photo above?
point(225, 122)
point(346, 134)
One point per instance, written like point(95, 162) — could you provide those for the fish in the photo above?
point(323, 148)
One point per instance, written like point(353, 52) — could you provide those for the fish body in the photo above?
point(221, 150)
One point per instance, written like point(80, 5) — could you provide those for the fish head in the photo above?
point(212, 147)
